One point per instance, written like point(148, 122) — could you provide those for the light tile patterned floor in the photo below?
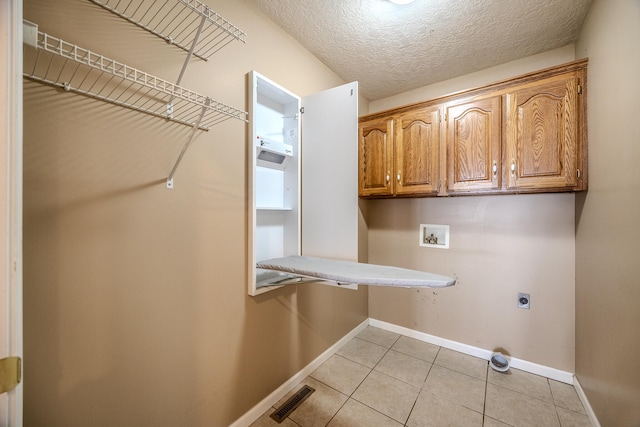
point(380, 378)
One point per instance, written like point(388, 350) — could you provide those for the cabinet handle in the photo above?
point(513, 167)
point(495, 168)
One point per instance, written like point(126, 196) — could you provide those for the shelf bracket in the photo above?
point(192, 134)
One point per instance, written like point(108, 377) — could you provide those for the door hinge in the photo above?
point(302, 110)
point(10, 373)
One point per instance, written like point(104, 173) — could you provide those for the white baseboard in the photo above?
point(586, 404)
point(534, 368)
point(266, 403)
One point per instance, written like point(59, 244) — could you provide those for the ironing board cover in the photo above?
point(349, 272)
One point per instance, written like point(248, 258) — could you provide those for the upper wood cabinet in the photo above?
point(473, 145)
point(416, 152)
point(523, 135)
point(543, 122)
point(399, 155)
point(375, 157)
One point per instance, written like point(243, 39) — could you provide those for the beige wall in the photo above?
point(136, 306)
point(477, 79)
point(608, 231)
point(500, 245)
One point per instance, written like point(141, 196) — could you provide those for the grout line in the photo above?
point(484, 403)
point(412, 407)
point(339, 409)
point(553, 401)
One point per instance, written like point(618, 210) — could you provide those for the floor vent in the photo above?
point(292, 403)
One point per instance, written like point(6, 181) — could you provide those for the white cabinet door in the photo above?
point(329, 173)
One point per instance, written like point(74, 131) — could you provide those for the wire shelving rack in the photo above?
point(75, 69)
point(178, 23)
point(188, 24)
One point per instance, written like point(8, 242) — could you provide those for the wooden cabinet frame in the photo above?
point(523, 135)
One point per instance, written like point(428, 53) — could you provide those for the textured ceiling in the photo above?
point(390, 49)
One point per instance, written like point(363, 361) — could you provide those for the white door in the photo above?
point(11, 200)
point(330, 173)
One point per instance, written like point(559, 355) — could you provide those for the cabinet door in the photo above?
point(542, 135)
point(329, 179)
point(474, 145)
point(375, 151)
point(417, 152)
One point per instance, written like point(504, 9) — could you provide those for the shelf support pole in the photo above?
point(193, 48)
point(192, 134)
point(186, 62)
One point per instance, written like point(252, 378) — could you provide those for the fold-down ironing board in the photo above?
point(348, 272)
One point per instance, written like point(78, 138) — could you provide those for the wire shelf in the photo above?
point(177, 22)
point(72, 68)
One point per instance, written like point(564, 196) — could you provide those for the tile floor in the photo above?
point(380, 378)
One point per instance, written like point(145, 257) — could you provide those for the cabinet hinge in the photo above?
point(10, 373)
point(579, 88)
point(578, 173)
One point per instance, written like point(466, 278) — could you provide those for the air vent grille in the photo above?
point(292, 403)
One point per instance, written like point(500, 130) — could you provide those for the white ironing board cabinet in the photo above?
point(303, 192)
point(307, 202)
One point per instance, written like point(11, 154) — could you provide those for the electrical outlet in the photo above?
point(524, 301)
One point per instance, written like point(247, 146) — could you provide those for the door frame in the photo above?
point(11, 411)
